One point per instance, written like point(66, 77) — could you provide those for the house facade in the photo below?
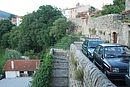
point(17, 21)
point(20, 68)
point(73, 12)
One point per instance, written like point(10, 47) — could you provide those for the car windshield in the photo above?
point(94, 43)
point(116, 51)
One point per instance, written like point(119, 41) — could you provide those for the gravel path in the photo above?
point(15, 82)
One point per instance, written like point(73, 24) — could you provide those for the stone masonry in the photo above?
point(105, 27)
point(92, 76)
point(60, 71)
point(127, 2)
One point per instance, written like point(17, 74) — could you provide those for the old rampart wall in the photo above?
point(108, 27)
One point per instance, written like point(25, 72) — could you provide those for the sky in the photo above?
point(22, 7)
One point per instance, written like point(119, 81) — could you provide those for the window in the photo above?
point(97, 49)
point(101, 50)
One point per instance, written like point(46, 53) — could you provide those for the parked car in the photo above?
point(127, 76)
point(127, 80)
point(89, 45)
point(112, 60)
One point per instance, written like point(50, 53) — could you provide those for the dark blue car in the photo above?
point(89, 45)
point(112, 60)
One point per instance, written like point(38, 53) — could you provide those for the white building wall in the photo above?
point(19, 21)
point(12, 74)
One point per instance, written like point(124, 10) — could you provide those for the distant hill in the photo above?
point(5, 14)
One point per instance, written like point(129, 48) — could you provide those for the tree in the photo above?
point(59, 28)
point(11, 54)
point(70, 27)
point(116, 8)
point(14, 36)
point(5, 27)
point(11, 16)
point(35, 29)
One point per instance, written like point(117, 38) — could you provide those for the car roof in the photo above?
point(111, 44)
point(94, 39)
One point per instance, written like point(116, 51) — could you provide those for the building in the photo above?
point(20, 68)
point(17, 21)
point(75, 11)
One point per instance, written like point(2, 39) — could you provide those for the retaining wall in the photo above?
point(92, 76)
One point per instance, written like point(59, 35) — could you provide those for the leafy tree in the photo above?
point(14, 36)
point(35, 29)
point(11, 54)
point(70, 27)
point(59, 28)
point(12, 16)
point(5, 40)
point(117, 7)
point(5, 26)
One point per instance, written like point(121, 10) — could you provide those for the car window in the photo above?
point(94, 43)
point(85, 42)
point(116, 51)
point(101, 50)
point(97, 49)
point(125, 50)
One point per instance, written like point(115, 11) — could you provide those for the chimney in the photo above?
point(12, 64)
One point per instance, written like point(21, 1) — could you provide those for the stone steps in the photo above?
point(60, 71)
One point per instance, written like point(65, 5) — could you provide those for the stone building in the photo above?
point(109, 27)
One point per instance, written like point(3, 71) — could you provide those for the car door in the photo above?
point(84, 45)
point(100, 56)
point(95, 54)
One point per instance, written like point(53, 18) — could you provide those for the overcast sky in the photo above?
point(22, 7)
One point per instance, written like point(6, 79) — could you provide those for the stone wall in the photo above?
point(91, 75)
point(127, 3)
point(104, 27)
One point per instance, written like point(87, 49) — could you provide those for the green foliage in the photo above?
point(79, 74)
point(64, 43)
point(5, 40)
point(70, 27)
point(2, 53)
point(30, 54)
point(5, 27)
point(59, 28)
point(11, 16)
point(35, 29)
point(11, 54)
point(117, 7)
point(125, 20)
point(42, 77)
point(73, 61)
point(14, 36)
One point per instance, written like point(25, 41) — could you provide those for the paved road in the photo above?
point(15, 82)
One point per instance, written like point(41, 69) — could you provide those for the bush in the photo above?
point(42, 77)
